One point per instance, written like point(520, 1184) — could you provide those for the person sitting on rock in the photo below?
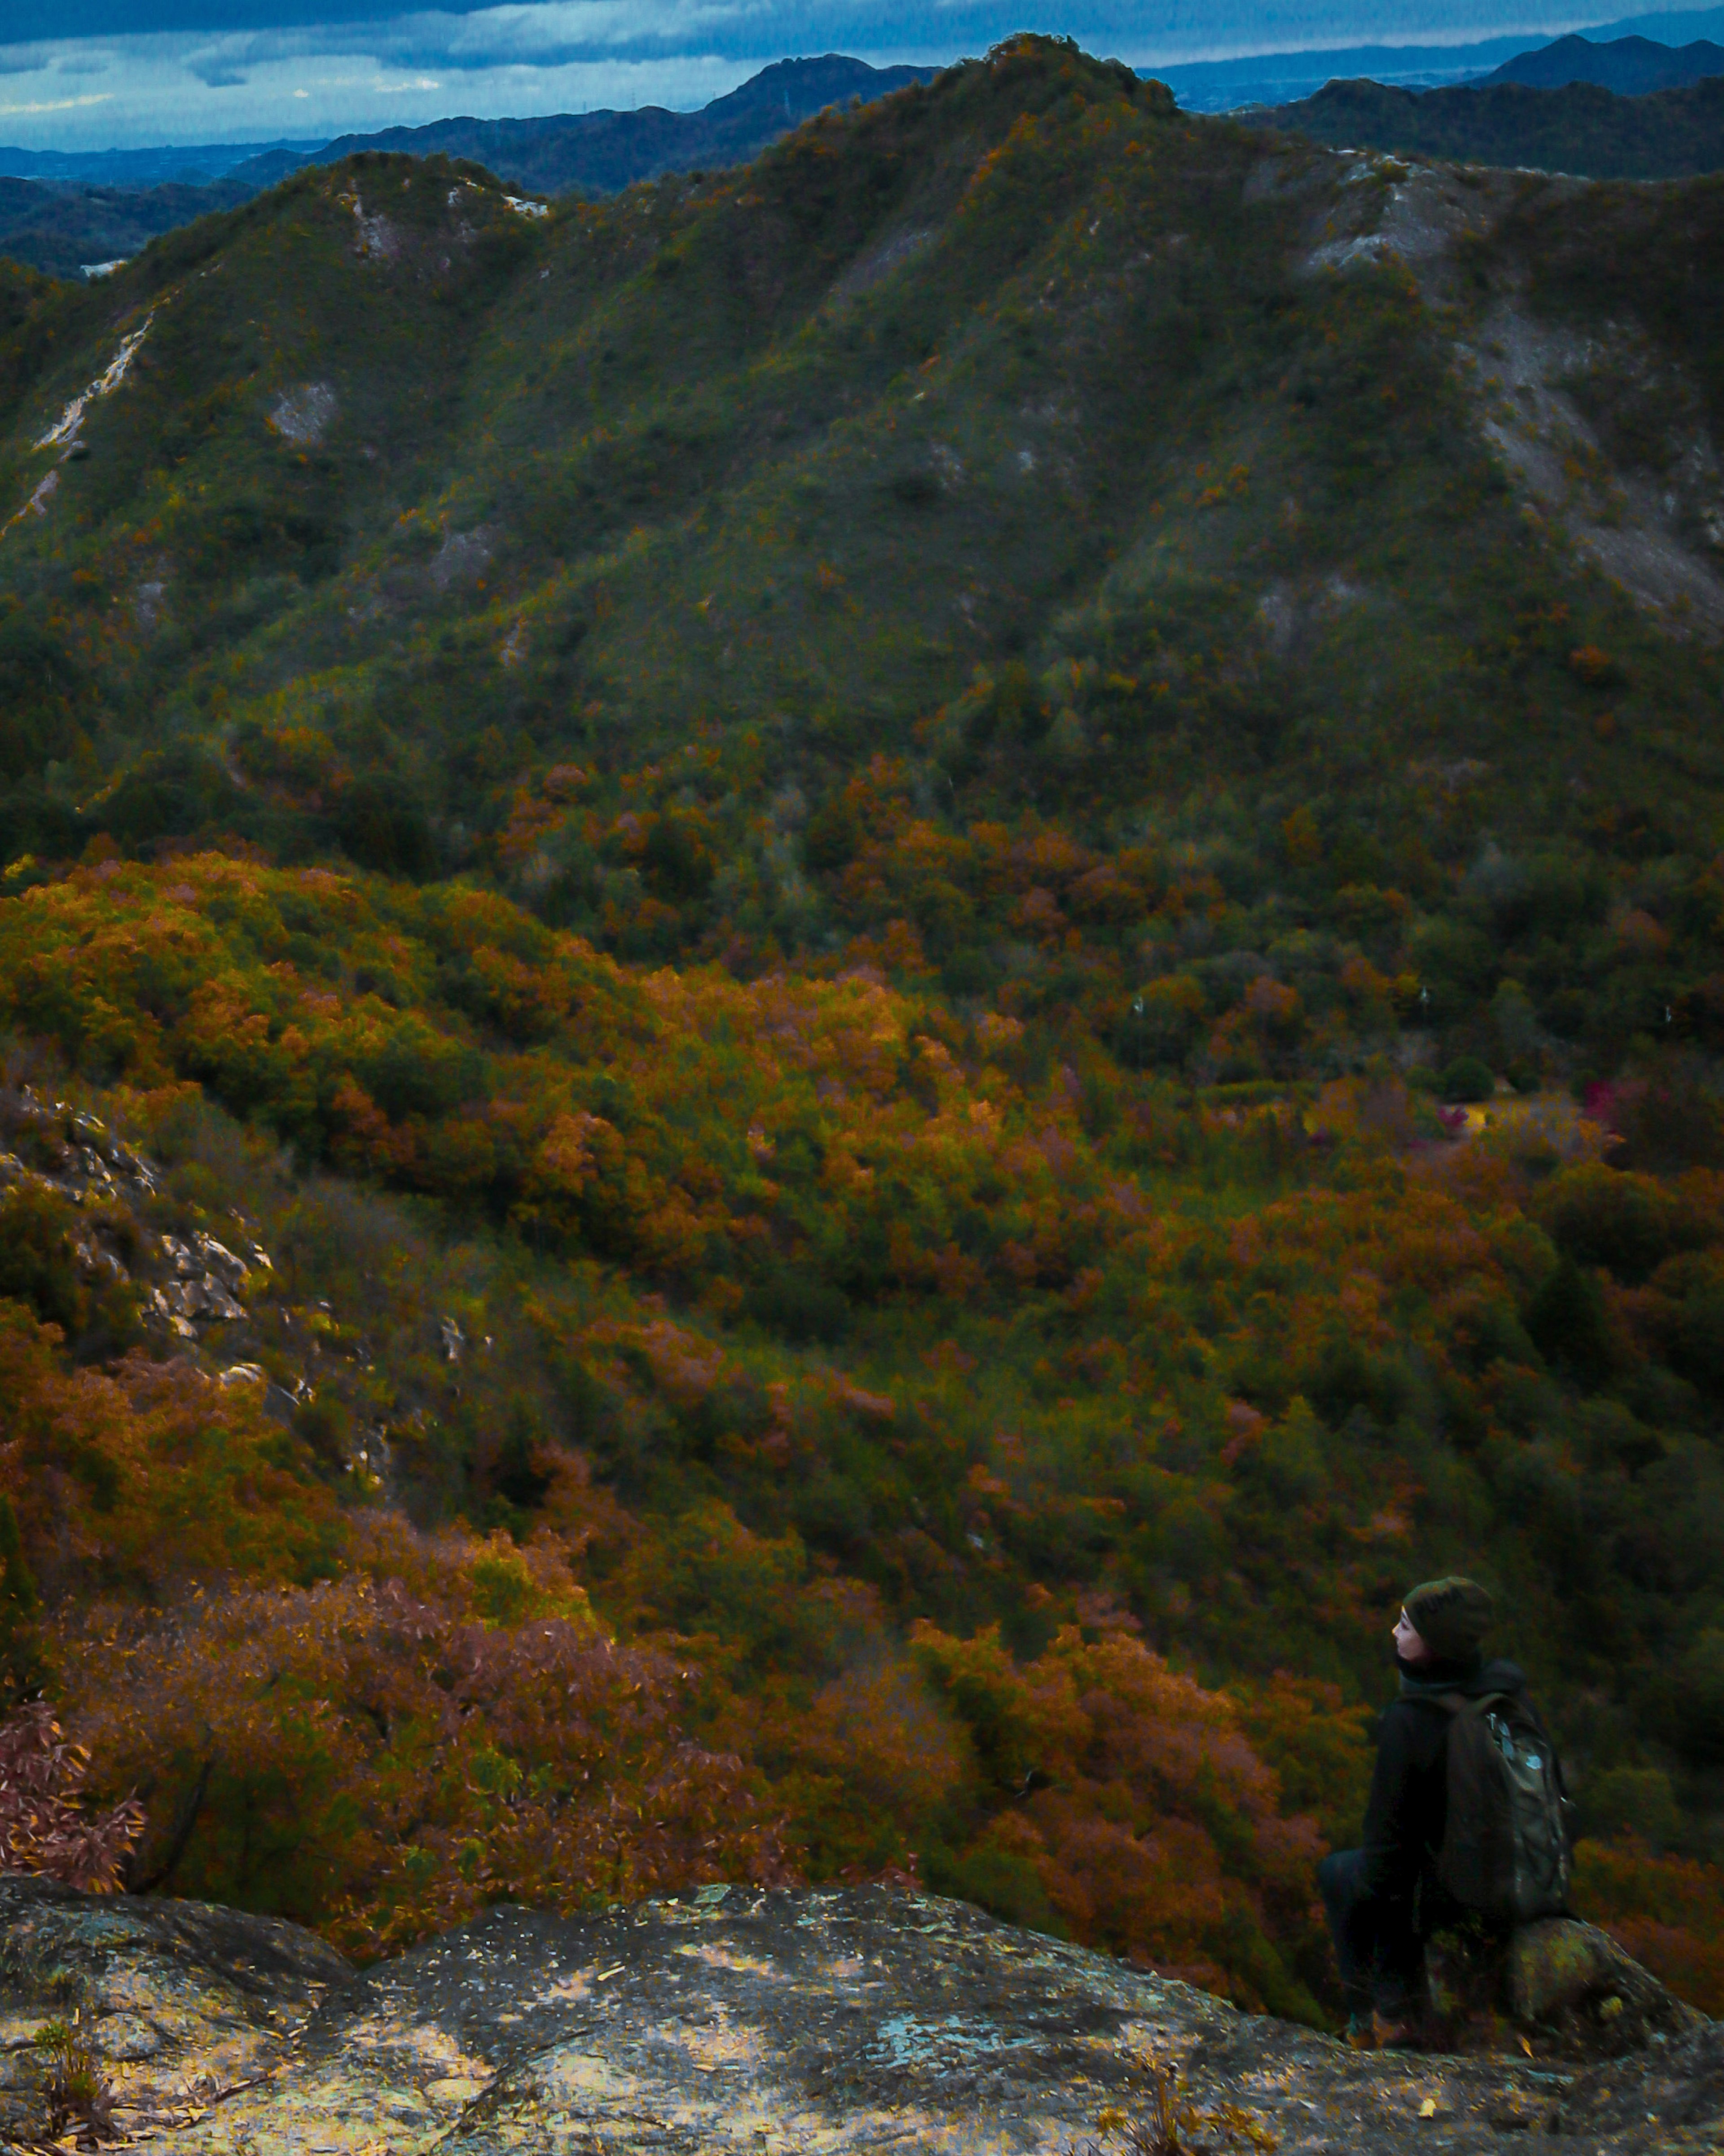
point(1385, 1900)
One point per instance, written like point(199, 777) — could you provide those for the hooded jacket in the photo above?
point(1408, 1806)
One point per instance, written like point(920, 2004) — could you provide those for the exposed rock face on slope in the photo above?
point(1554, 401)
point(737, 2018)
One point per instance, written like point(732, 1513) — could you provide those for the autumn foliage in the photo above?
point(143, 1476)
point(866, 1424)
point(942, 993)
point(1126, 1804)
point(445, 1725)
point(43, 1827)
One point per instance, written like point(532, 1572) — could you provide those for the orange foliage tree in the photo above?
point(149, 1475)
point(1667, 1910)
point(1127, 1800)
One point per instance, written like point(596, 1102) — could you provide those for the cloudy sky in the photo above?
point(80, 75)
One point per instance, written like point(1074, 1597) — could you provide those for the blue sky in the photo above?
point(94, 73)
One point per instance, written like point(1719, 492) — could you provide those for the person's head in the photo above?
point(1408, 1644)
point(1444, 1620)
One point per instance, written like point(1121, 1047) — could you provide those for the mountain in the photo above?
point(194, 164)
point(1579, 128)
point(72, 221)
point(1677, 27)
point(831, 994)
point(598, 152)
point(1282, 78)
point(62, 230)
point(1248, 79)
point(1630, 66)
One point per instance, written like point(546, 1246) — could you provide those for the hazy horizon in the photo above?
point(97, 75)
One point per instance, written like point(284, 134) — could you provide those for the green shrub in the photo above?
point(1566, 1323)
point(1627, 1224)
point(1468, 1078)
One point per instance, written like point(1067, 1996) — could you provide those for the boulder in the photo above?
point(1574, 1980)
point(735, 2019)
point(1559, 1988)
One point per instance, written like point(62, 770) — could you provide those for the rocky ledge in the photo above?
point(737, 2020)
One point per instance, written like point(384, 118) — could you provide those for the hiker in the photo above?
point(1464, 1821)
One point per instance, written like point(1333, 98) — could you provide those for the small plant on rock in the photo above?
point(79, 2095)
point(1161, 2120)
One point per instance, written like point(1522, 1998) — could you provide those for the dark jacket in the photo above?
point(1409, 1788)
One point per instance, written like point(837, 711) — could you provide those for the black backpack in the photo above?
point(1505, 1851)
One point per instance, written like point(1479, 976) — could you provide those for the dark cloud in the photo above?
point(752, 30)
point(24, 22)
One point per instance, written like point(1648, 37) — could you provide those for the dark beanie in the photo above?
point(1451, 1616)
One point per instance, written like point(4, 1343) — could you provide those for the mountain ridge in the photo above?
point(1631, 66)
point(63, 225)
point(1578, 128)
point(604, 150)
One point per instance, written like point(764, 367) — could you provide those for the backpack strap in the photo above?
point(1461, 1702)
point(1456, 1703)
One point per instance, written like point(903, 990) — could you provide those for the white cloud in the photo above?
point(56, 104)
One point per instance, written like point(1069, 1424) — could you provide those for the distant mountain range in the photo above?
point(1278, 78)
point(190, 164)
point(1626, 106)
point(598, 152)
point(1226, 85)
point(1630, 66)
point(1579, 128)
point(66, 229)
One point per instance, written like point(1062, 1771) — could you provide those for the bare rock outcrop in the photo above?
point(734, 2018)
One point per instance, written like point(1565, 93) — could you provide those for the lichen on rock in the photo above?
point(739, 2019)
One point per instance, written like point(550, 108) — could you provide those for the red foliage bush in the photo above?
point(385, 1753)
point(41, 1829)
point(1667, 1910)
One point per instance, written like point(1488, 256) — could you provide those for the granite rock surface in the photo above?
point(737, 2020)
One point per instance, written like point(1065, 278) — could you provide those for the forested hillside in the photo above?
point(1577, 126)
point(96, 211)
point(64, 231)
point(881, 971)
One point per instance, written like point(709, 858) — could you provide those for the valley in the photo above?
point(879, 967)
